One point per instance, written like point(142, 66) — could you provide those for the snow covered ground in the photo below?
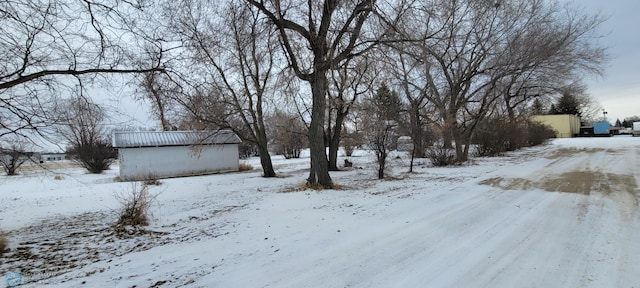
point(561, 215)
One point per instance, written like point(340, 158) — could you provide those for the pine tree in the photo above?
point(537, 108)
point(567, 104)
point(387, 103)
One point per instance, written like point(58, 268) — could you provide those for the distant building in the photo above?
point(53, 156)
point(149, 155)
point(565, 125)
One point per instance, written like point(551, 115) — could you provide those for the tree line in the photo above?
point(342, 72)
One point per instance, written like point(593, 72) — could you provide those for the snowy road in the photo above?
point(563, 215)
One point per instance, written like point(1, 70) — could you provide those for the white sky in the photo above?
point(619, 89)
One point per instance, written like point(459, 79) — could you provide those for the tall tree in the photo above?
point(383, 111)
point(481, 55)
point(347, 84)
point(567, 104)
point(235, 52)
point(316, 37)
point(159, 91)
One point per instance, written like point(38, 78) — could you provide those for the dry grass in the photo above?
point(4, 242)
point(135, 207)
point(152, 182)
point(245, 167)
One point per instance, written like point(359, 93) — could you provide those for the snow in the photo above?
point(565, 214)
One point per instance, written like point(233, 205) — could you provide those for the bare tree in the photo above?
point(86, 135)
point(317, 37)
point(287, 133)
point(477, 53)
point(406, 72)
point(346, 85)
point(46, 45)
point(160, 92)
point(233, 50)
point(383, 109)
point(14, 152)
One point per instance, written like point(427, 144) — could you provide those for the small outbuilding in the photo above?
point(565, 125)
point(152, 155)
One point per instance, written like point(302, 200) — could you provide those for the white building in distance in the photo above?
point(153, 155)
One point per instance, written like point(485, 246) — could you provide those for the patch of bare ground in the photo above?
point(567, 152)
point(618, 186)
point(59, 245)
point(509, 184)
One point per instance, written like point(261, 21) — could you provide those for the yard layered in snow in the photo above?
point(561, 215)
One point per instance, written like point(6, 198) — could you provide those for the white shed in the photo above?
point(149, 155)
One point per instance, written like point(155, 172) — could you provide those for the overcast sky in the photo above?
point(619, 90)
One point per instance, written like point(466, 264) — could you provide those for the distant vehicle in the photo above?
point(626, 131)
point(601, 128)
point(636, 129)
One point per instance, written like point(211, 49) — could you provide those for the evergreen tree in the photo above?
point(387, 103)
point(537, 108)
point(567, 104)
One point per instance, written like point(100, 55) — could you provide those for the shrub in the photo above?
point(496, 136)
point(348, 150)
point(350, 141)
point(135, 207)
point(95, 157)
point(539, 133)
point(441, 156)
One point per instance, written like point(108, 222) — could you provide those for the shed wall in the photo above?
point(161, 162)
point(566, 126)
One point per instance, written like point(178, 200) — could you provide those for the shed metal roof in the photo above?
point(173, 138)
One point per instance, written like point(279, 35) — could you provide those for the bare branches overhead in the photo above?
point(46, 45)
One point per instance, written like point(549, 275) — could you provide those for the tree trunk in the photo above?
point(265, 161)
point(461, 152)
point(334, 140)
point(417, 135)
point(263, 145)
point(319, 173)
point(382, 160)
point(448, 130)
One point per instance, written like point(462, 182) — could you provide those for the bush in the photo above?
point(441, 156)
point(496, 136)
point(135, 207)
point(95, 157)
point(348, 150)
point(539, 134)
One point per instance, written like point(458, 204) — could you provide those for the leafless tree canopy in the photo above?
point(82, 126)
point(14, 152)
point(479, 58)
point(47, 45)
